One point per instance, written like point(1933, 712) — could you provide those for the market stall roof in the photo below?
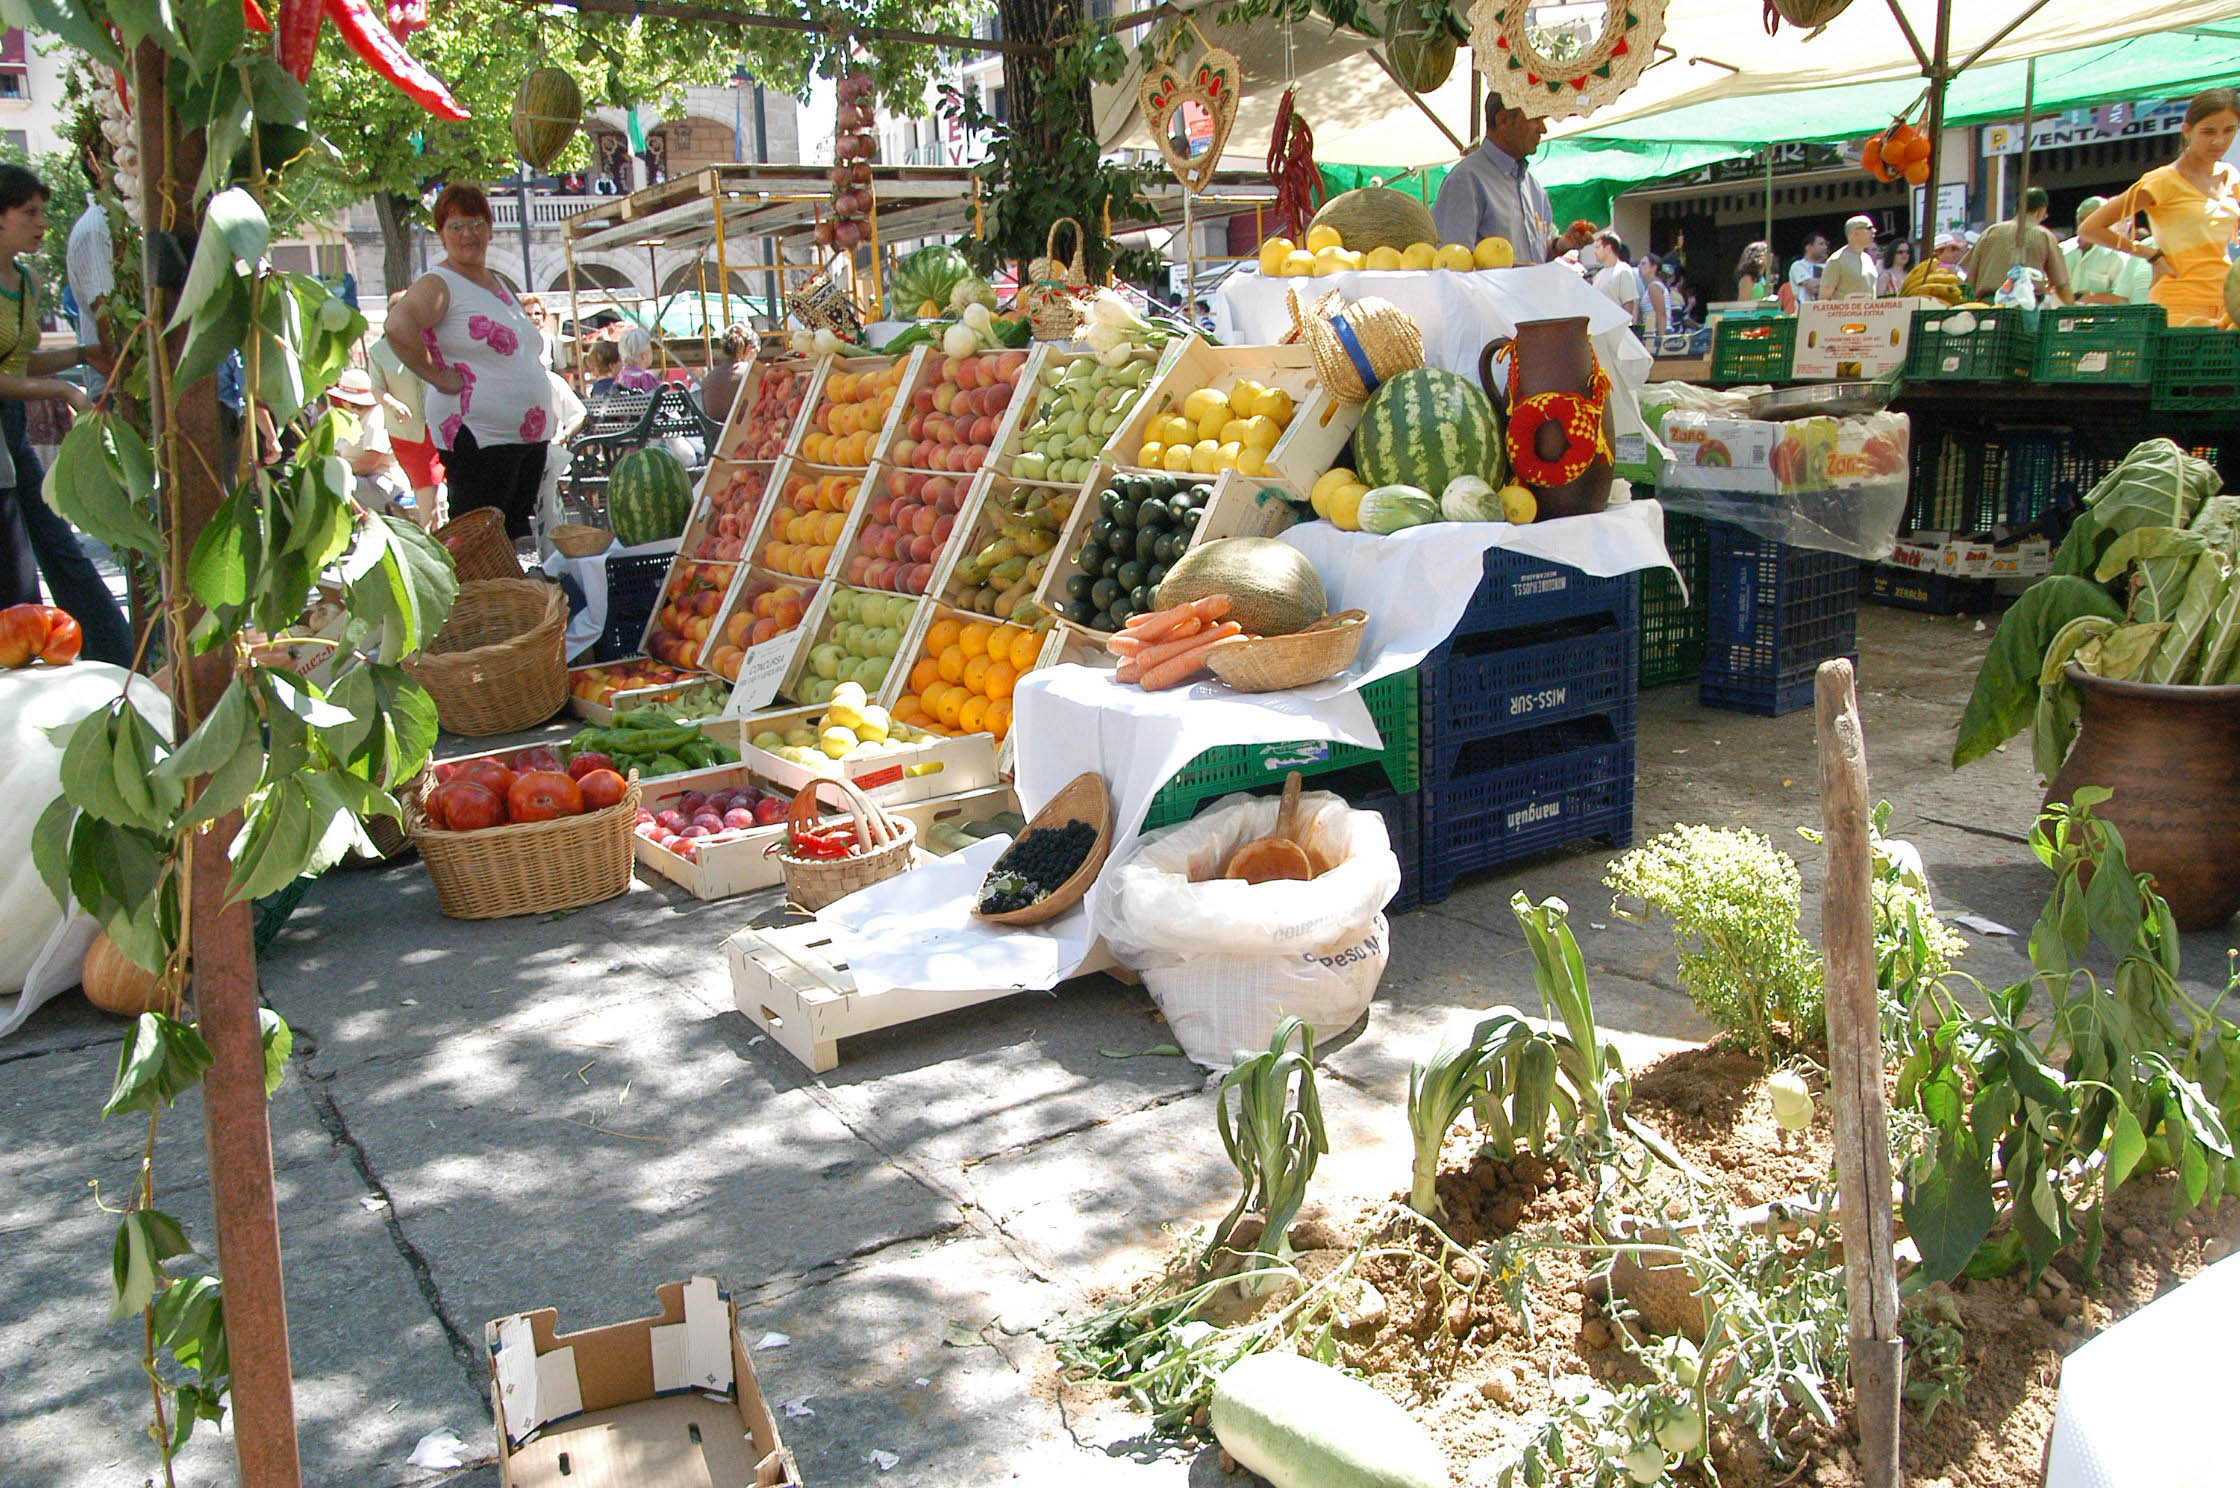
point(1720, 55)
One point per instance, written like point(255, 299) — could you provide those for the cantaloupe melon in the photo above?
point(1272, 588)
point(1300, 1424)
point(1377, 217)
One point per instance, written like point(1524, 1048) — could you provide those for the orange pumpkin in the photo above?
point(115, 983)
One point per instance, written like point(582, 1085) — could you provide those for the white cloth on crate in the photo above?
point(2142, 1405)
point(492, 343)
point(586, 625)
point(89, 258)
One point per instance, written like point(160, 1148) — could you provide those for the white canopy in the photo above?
point(1717, 49)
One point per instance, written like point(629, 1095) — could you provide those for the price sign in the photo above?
point(1854, 340)
point(763, 668)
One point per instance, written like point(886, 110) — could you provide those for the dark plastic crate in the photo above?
point(1519, 590)
point(273, 911)
point(2097, 343)
point(1776, 613)
point(1753, 348)
point(1959, 485)
point(1527, 793)
point(1999, 347)
point(1931, 593)
point(1748, 694)
point(1672, 622)
point(2197, 368)
point(2048, 472)
point(1393, 706)
point(633, 593)
point(1477, 686)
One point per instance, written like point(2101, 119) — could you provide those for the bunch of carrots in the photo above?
point(1164, 648)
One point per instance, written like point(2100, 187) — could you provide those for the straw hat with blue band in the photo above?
point(1359, 346)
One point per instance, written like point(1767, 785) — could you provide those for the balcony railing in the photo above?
point(544, 210)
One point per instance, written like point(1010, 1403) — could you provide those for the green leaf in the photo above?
point(89, 483)
point(276, 96)
point(227, 748)
point(162, 1059)
point(218, 33)
point(2006, 689)
point(279, 1041)
point(50, 847)
point(229, 548)
point(189, 1318)
point(1948, 1207)
point(2126, 1145)
point(337, 801)
point(279, 366)
point(218, 331)
point(80, 25)
point(91, 778)
point(401, 582)
point(151, 20)
point(300, 697)
point(275, 843)
point(233, 227)
point(325, 353)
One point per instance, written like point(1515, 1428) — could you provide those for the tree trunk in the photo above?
point(396, 240)
point(1042, 120)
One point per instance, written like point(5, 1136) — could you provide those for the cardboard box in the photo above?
point(1716, 454)
point(1966, 559)
point(668, 1401)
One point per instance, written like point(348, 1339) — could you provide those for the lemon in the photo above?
point(1273, 253)
point(1275, 404)
point(1384, 259)
point(1252, 461)
point(1261, 432)
point(1343, 506)
point(1232, 432)
point(1176, 458)
point(1204, 403)
point(1519, 505)
point(1320, 237)
point(1211, 428)
point(1419, 256)
point(1150, 455)
point(1228, 456)
point(1244, 398)
point(1494, 253)
point(1178, 430)
point(1204, 456)
point(1331, 479)
point(1455, 256)
point(1329, 261)
point(1298, 264)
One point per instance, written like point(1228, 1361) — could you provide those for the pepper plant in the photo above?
point(262, 775)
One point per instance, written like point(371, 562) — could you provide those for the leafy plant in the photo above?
point(1275, 1139)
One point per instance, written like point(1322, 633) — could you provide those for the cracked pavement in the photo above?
point(486, 1117)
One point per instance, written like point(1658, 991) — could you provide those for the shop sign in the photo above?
point(1851, 339)
point(1952, 205)
point(2092, 126)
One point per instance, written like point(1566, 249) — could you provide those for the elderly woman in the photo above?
point(489, 402)
point(636, 346)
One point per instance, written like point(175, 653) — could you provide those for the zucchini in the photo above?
point(1300, 1424)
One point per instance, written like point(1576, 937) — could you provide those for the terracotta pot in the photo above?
point(2172, 757)
point(1554, 356)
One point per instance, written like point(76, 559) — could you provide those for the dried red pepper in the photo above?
point(367, 32)
point(299, 36)
point(254, 18)
point(1291, 164)
point(406, 17)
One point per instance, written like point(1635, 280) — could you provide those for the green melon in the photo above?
point(1272, 588)
point(649, 495)
point(1377, 217)
point(547, 111)
point(1387, 509)
point(1426, 427)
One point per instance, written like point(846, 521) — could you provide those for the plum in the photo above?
point(739, 817)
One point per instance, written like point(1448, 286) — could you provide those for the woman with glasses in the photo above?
point(489, 402)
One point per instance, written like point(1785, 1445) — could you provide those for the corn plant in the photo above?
point(1275, 1139)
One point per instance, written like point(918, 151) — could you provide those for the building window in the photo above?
point(999, 104)
point(11, 85)
point(16, 140)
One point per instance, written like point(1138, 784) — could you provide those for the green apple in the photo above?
point(769, 739)
point(826, 660)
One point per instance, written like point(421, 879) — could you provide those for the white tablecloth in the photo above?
point(587, 624)
point(2142, 1405)
point(1415, 584)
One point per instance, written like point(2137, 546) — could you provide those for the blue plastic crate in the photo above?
point(1476, 686)
point(1519, 590)
point(1742, 693)
point(2047, 473)
point(1776, 611)
point(1526, 793)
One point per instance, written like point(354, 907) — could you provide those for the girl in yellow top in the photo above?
point(2193, 207)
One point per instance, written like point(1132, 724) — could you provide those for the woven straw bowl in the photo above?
point(812, 883)
point(1275, 663)
point(479, 546)
point(500, 662)
point(1084, 798)
point(527, 867)
point(577, 541)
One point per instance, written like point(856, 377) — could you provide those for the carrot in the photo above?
point(1128, 672)
point(1176, 669)
point(1157, 625)
point(1130, 645)
point(1151, 656)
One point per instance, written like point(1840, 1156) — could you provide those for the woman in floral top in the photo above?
point(489, 403)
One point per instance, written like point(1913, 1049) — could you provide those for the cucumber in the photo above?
point(1300, 1424)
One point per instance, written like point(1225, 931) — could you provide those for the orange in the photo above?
point(925, 674)
point(952, 661)
point(951, 707)
point(971, 718)
point(974, 638)
point(998, 681)
point(941, 635)
point(999, 641)
point(1026, 648)
point(998, 721)
point(906, 705)
point(975, 676)
point(929, 698)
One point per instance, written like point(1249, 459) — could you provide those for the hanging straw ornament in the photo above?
point(1516, 64)
point(1805, 15)
point(1213, 84)
point(1357, 347)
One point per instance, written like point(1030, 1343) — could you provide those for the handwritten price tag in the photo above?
point(759, 675)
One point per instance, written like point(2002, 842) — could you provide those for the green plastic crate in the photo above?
point(2098, 343)
point(1672, 625)
point(2197, 368)
point(1754, 348)
point(1998, 346)
point(1234, 767)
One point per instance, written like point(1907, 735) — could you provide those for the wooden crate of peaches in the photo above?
point(725, 520)
point(851, 418)
point(964, 409)
point(770, 409)
point(686, 616)
point(765, 608)
point(905, 531)
point(808, 523)
point(964, 674)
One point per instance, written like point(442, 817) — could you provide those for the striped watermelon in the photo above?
point(1424, 428)
point(649, 495)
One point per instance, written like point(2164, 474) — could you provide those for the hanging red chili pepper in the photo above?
point(368, 36)
point(254, 18)
point(1291, 164)
point(299, 36)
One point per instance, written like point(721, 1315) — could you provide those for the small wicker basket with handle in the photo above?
point(1056, 286)
point(883, 847)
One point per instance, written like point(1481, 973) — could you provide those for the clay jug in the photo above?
point(2172, 757)
point(1554, 356)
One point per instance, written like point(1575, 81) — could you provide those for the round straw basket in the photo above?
point(390, 840)
point(1052, 294)
point(500, 662)
point(812, 883)
point(576, 541)
point(479, 546)
point(1360, 346)
point(1274, 663)
point(527, 867)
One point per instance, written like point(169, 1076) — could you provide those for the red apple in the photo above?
point(584, 763)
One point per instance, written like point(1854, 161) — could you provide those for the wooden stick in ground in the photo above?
point(1862, 1121)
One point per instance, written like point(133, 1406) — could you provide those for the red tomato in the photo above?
point(542, 757)
point(23, 633)
point(464, 806)
point(584, 763)
point(63, 639)
point(486, 772)
point(541, 795)
point(444, 772)
point(601, 789)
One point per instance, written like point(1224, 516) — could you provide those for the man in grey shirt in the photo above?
point(1490, 194)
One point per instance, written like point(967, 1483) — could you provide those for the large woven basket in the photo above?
point(500, 663)
point(527, 867)
point(1056, 287)
point(574, 540)
point(479, 546)
point(812, 883)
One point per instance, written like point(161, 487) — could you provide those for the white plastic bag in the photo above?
point(1227, 960)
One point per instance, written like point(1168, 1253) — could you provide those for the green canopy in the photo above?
point(1582, 177)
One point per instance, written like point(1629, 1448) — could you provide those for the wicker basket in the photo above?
point(1358, 347)
point(479, 546)
point(573, 540)
point(387, 833)
point(1275, 663)
point(812, 883)
point(500, 663)
point(527, 867)
point(1055, 286)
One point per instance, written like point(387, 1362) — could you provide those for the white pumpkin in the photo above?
point(33, 700)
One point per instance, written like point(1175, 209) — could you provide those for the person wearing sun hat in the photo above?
point(381, 483)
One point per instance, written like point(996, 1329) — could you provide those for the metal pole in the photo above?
point(528, 273)
point(700, 270)
point(771, 286)
point(1773, 260)
point(575, 318)
point(2029, 117)
point(1940, 73)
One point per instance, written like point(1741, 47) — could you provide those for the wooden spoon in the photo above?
point(1268, 858)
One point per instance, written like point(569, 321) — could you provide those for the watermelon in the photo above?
point(649, 495)
point(1426, 427)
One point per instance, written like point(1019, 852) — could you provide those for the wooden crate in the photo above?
point(750, 387)
point(1320, 424)
point(599, 715)
point(913, 368)
point(1242, 506)
point(969, 488)
point(1007, 421)
point(920, 772)
point(790, 982)
point(1049, 356)
point(992, 511)
point(817, 629)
